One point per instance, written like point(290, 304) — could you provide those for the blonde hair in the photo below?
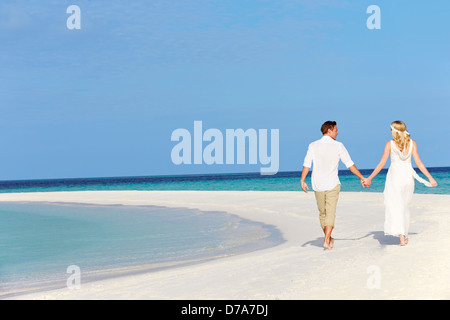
point(402, 140)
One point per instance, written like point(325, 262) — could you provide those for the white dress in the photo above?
point(398, 191)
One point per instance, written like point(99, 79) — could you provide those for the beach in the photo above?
point(364, 263)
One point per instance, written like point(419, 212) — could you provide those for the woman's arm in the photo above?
point(421, 166)
point(384, 157)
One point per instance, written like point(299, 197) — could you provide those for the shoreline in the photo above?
point(295, 269)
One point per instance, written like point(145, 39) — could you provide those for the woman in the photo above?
point(399, 186)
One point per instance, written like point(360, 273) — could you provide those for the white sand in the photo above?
point(364, 264)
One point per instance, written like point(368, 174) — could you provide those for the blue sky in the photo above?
point(103, 100)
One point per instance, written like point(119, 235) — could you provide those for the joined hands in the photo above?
point(366, 182)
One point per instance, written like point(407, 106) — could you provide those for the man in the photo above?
point(326, 154)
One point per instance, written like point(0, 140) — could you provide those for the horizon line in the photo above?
point(197, 174)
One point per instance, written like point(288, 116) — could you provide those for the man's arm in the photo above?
point(307, 163)
point(302, 180)
point(356, 172)
point(345, 158)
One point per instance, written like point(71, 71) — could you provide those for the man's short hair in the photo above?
point(327, 125)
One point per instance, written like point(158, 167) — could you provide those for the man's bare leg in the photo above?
point(328, 242)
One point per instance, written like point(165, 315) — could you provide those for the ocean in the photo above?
point(40, 241)
point(282, 181)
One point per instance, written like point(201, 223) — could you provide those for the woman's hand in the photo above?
point(366, 182)
point(433, 182)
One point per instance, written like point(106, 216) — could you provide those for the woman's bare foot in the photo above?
point(403, 240)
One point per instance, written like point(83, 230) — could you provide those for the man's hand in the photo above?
point(302, 179)
point(304, 186)
point(366, 182)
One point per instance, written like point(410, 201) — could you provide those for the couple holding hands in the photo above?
point(399, 188)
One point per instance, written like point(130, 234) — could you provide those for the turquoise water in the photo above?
point(38, 242)
point(282, 181)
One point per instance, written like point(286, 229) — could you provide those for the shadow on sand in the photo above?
point(384, 240)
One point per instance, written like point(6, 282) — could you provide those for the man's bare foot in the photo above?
point(328, 245)
point(332, 242)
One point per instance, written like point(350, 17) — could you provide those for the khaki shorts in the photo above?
point(326, 203)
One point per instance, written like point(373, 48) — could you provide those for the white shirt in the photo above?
point(325, 154)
